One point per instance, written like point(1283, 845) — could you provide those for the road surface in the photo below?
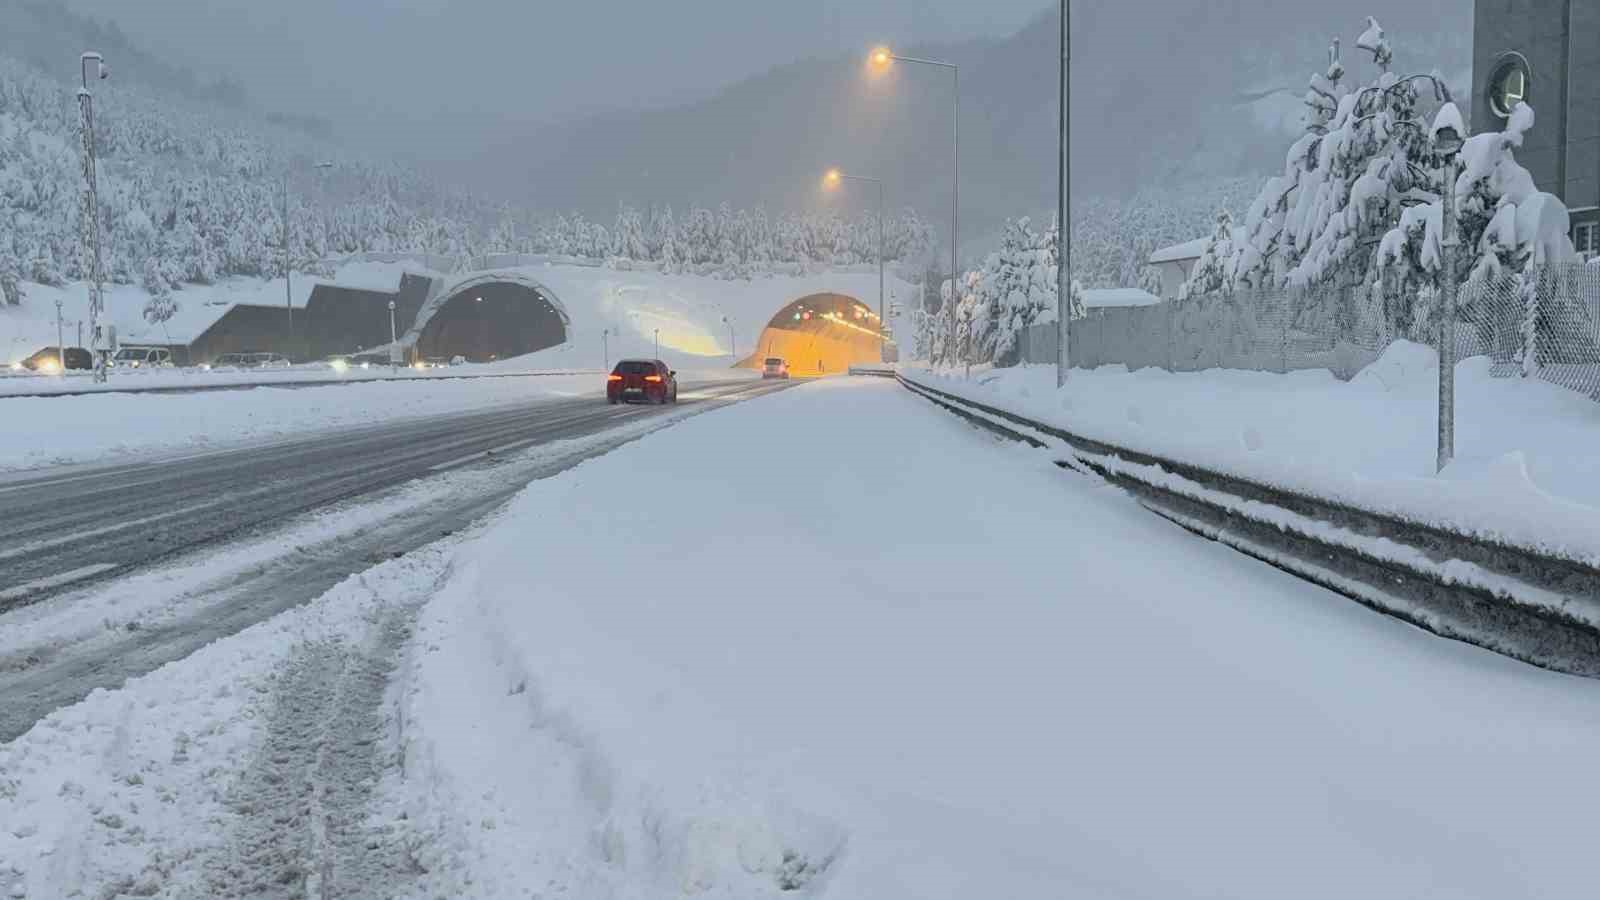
point(75, 531)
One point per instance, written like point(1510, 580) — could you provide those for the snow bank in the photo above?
point(1525, 469)
point(790, 669)
point(127, 793)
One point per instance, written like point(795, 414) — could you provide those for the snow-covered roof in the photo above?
point(1099, 298)
point(1179, 252)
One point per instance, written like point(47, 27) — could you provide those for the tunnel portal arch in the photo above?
point(819, 334)
point(490, 316)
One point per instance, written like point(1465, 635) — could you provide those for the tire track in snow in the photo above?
point(305, 825)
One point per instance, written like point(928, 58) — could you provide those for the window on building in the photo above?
point(1509, 85)
point(1586, 237)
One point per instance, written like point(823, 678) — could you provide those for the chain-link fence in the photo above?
point(1545, 326)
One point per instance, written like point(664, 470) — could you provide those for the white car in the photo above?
point(775, 367)
point(143, 358)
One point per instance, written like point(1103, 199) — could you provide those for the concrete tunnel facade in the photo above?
point(488, 317)
point(820, 334)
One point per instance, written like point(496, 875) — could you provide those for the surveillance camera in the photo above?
point(105, 71)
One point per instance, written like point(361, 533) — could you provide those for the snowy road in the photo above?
point(890, 656)
point(109, 572)
point(836, 643)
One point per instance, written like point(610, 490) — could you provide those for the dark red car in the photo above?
point(645, 380)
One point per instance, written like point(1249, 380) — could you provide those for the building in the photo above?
point(1547, 53)
point(1176, 264)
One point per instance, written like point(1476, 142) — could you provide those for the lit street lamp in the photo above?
point(89, 210)
point(832, 180)
point(288, 292)
point(882, 58)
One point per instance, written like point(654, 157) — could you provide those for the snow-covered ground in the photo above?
point(858, 646)
point(1525, 468)
point(835, 640)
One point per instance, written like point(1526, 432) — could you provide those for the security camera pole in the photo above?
point(89, 209)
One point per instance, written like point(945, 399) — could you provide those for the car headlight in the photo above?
point(16, 367)
point(339, 365)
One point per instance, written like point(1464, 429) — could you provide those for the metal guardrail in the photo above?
point(1520, 601)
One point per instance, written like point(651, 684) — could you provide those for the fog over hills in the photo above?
point(1163, 93)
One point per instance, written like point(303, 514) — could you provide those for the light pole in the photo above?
point(394, 343)
point(1063, 203)
point(1447, 133)
point(89, 208)
point(658, 343)
point(61, 350)
point(605, 347)
point(733, 346)
point(882, 58)
point(832, 180)
point(288, 292)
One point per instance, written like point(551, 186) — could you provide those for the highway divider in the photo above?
point(1521, 601)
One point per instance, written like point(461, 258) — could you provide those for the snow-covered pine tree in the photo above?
point(1214, 270)
point(629, 235)
point(160, 305)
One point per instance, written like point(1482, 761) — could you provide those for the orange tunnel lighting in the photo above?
point(818, 335)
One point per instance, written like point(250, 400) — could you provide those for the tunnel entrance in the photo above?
point(821, 334)
point(490, 320)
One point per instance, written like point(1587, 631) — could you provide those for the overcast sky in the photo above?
point(387, 69)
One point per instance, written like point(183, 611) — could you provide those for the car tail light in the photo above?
point(652, 378)
point(613, 377)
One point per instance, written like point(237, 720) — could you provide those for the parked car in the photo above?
point(644, 380)
point(49, 359)
point(228, 361)
point(143, 358)
point(268, 361)
point(775, 367)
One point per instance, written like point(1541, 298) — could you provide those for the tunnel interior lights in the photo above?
point(840, 320)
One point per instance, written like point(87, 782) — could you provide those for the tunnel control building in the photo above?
point(481, 316)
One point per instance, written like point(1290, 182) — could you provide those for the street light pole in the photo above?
point(1063, 206)
point(605, 347)
point(733, 345)
point(831, 179)
point(89, 212)
point(882, 57)
point(1447, 328)
point(61, 350)
point(658, 343)
point(288, 292)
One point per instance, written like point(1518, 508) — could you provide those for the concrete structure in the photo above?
point(1175, 264)
point(1547, 53)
